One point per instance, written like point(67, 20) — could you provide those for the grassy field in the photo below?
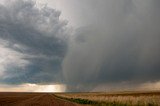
point(114, 99)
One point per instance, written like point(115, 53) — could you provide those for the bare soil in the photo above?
point(33, 99)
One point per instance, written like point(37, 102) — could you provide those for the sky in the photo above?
point(79, 45)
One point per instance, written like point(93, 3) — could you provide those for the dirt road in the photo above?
point(32, 99)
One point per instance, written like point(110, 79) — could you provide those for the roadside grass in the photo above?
point(94, 103)
point(104, 99)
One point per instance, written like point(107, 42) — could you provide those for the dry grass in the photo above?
point(121, 98)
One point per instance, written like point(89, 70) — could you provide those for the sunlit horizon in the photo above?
point(33, 88)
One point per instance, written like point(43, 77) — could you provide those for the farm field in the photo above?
point(80, 99)
point(114, 99)
point(33, 99)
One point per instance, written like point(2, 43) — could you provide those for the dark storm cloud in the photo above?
point(38, 35)
point(121, 44)
point(40, 71)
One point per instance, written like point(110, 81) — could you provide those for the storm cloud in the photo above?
point(112, 44)
point(118, 43)
point(33, 43)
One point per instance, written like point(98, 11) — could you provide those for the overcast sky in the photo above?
point(79, 45)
